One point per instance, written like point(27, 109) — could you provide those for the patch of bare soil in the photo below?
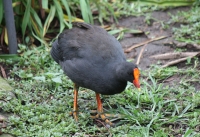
point(154, 30)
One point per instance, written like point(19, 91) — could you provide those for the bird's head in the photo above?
point(127, 71)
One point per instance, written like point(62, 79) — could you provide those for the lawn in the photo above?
point(167, 105)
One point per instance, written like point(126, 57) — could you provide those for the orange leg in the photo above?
point(99, 103)
point(75, 108)
point(100, 112)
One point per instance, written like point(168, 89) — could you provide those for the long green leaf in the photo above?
point(111, 11)
point(36, 23)
point(165, 2)
point(26, 18)
point(60, 15)
point(34, 26)
point(45, 4)
point(66, 5)
point(36, 18)
point(85, 11)
point(10, 56)
point(41, 40)
point(1, 10)
point(89, 12)
point(49, 19)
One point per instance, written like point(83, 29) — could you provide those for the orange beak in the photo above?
point(136, 75)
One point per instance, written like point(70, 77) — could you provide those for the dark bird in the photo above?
point(93, 59)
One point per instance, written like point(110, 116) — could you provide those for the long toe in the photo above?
point(107, 118)
point(75, 115)
point(95, 112)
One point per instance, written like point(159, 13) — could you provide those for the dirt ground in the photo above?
point(162, 46)
point(153, 30)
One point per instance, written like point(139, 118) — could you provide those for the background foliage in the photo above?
point(39, 21)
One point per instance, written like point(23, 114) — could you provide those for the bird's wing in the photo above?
point(89, 42)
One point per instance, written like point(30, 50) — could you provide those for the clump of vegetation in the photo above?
point(188, 32)
point(40, 21)
point(44, 95)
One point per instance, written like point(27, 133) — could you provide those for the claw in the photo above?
point(103, 117)
point(75, 115)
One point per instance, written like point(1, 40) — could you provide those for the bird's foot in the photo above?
point(105, 117)
point(75, 115)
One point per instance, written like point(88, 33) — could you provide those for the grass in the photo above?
point(188, 31)
point(44, 98)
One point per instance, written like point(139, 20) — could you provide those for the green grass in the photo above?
point(188, 32)
point(44, 99)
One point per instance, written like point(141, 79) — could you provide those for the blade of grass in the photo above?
point(188, 132)
point(165, 2)
point(100, 16)
point(113, 32)
point(125, 30)
point(14, 57)
point(45, 4)
point(185, 110)
point(89, 12)
point(38, 31)
point(66, 5)
point(112, 11)
point(26, 18)
point(38, 38)
point(85, 11)
point(60, 14)
point(49, 19)
point(36, 18)
point(35, 26)
point(6, 36)
point(73, 18)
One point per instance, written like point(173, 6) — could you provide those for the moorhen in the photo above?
point(93, 59)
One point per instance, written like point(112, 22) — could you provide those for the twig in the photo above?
point(196, 46)
point(183, 44)
point(176, 61)
point(3, 72)
point(143, 43)
point(140, 55)
point(174, 55)
point(101, 123)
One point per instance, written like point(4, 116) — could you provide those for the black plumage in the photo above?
point(93, 59)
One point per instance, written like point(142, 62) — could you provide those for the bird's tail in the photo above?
point(55, 52)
